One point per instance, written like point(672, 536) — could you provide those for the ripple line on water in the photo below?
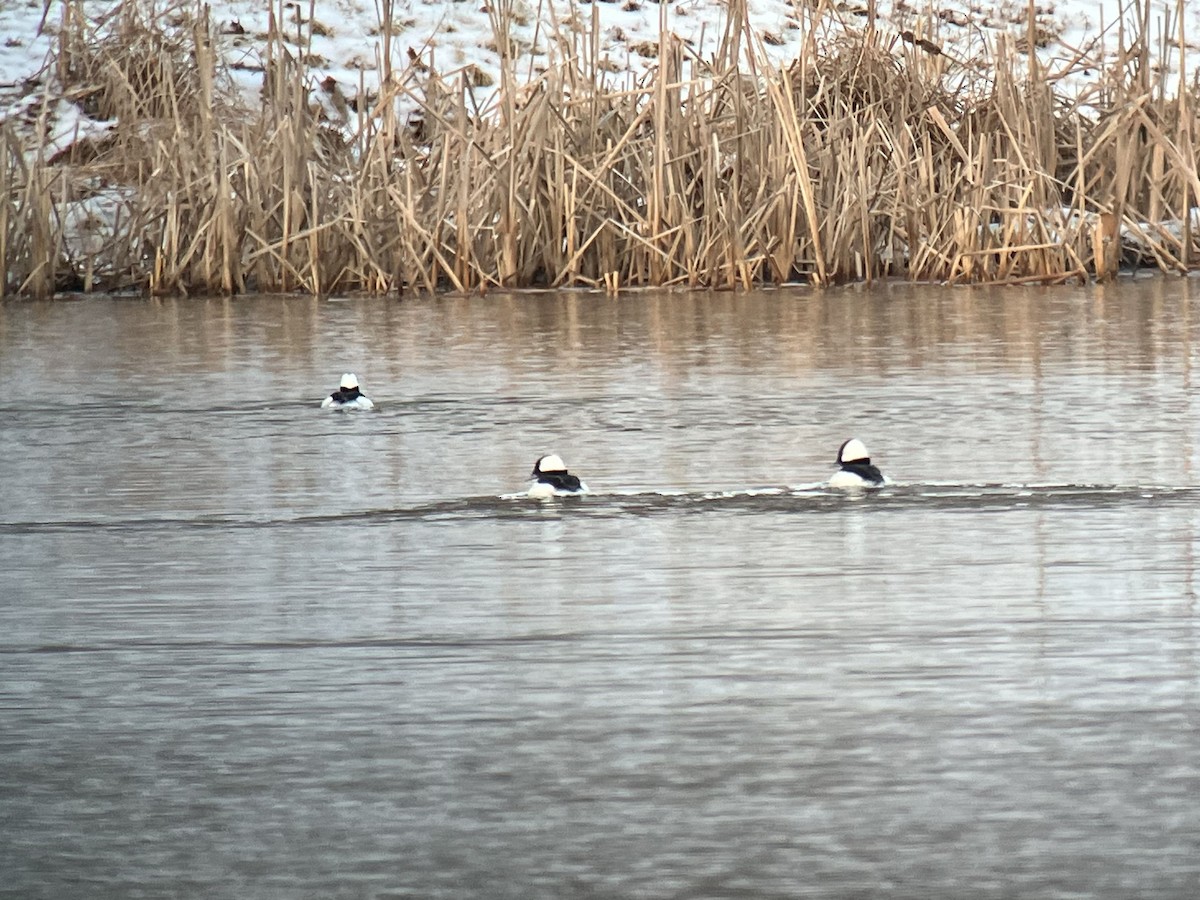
point(800, 499)
point(923, 633)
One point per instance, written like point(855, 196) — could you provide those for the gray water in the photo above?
point(254, 649)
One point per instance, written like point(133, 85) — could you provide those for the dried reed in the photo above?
point(872, 155)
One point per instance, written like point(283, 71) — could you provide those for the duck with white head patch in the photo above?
point(551, 479)
point(855, 469)
point(347, 396)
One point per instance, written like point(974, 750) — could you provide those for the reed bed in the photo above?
point(873, 155)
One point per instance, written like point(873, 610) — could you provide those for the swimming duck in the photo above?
point(347, 396)
point(855, 467)
point(551, 479)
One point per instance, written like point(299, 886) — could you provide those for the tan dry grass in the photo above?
point(873, 155)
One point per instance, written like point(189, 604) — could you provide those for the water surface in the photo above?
point(251, 648)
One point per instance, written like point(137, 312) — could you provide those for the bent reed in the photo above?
point(873, 155)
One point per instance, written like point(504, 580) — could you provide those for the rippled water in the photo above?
point(250, 648)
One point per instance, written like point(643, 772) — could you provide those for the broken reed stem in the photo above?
point(867, 157)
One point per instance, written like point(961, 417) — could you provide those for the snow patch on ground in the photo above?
point(341, 39)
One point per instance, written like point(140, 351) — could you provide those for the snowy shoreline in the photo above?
point(341, 39)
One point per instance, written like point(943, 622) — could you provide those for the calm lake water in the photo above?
point(250, 648)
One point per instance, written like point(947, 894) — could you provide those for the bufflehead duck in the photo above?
point(347, 396)
point(856, 469)
point(551, 479)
